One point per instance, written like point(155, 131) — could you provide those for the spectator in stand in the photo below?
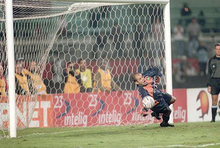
point(186, 11)
point(103, 81)
point(22, 62)
point(193, 30)
point(37, 82)
point(72, 80)
point(22, 81)
point(3, 83)
point(179, 39)
point(201, 19)
point(190, 70)
point(202, 55)
point(86, 75)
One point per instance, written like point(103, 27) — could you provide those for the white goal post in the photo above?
point(11, 68)
point(11, 58)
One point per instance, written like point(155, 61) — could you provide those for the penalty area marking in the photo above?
point(190, 146)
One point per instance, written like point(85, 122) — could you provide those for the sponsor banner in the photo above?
point(30, 111)
point(180, 106)
point(86, 109)
point(199, 104)
point(98, 109)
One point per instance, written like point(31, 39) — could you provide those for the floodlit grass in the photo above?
point(183, 134)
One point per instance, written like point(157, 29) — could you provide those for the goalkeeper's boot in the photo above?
point(164, 124)
point(156, 115)
point(144, 112)
point(170, 125)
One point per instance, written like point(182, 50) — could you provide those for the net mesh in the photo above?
point(74, 61)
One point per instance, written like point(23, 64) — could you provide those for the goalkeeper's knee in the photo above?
point(167, 111)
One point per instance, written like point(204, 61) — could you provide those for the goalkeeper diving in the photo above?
point(152, 97)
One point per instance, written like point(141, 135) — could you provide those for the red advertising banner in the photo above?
point(30, 111)
point(85, 109)
point(180, 106)
point(98, 109)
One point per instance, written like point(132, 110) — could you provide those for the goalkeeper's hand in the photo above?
point(144, 112)
point(155, 102)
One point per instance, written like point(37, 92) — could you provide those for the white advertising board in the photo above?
point(199, 105)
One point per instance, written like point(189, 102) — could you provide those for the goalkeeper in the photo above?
point(147, 86)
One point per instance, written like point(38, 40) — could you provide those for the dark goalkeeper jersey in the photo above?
point(151, 88)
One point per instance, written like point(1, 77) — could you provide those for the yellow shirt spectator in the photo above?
point(86, 78)
point(71, 86)
point(37, 82)
point(21, 81)
point(86, 75)
point(3, 83)
point(103, 80)
point(2, 86)
point(72, 80)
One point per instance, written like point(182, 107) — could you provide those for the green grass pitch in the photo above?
point(200, 134)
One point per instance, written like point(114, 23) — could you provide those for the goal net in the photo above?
point(74, 62)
